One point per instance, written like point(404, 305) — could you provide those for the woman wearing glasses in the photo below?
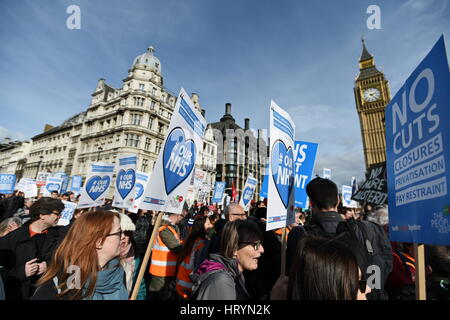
point(325, 269)
point(85, 265)
point(220, 276)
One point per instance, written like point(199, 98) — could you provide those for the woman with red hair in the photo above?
point(85, 265)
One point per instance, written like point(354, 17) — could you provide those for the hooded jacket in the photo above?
point(218, 278)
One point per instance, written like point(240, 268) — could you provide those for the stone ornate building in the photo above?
point(371, 96)
point(131, 119)
point(13, 156)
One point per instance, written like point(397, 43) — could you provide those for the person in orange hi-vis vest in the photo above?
point(188, 258)
point(163, 266)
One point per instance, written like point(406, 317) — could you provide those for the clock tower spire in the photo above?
point(371, 96)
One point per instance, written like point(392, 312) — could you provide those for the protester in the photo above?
point(260, 281)
point(27, 250)
point(220, 276)
point(8, 225)
point(187, 259)
point(12, 205)
point(324, 201)
point(90, 250)
point(141, 234)
point(232, 212)
point(164, 258)
point(325, 269)
point(129, 260)
point(65, 196)
point(54, 194)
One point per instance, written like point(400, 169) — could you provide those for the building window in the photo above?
point(132, 140)
point(136, 119)
point(150, 123)
point(148, 143)
point(144, 165)
point(152, 105)
point(141, 86)
point(158, 147)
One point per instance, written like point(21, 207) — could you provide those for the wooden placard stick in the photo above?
point(146, 257)
point(283, 253)
point(419, 252)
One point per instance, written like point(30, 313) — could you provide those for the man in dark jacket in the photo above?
point(232, 212)
point(324, 201)
point(26, 252)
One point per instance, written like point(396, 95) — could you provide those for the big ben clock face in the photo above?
point(371, 94)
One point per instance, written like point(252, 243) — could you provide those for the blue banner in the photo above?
point(305, 156)
point(7, 183)
point(265, 185)
point(418, 153)
point(219, 190)
point(76, 184)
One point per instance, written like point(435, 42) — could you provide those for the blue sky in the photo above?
point(302, 54)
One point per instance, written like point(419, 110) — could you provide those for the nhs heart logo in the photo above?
point(53, 187)
point(125, 182)
point(96, 186)
point(282, 163)
point(347, 197)
point(139, 190)
point(247, 195)
point(178, 159)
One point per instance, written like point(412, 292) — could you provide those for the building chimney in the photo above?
point(247, 123)
point(228, 108)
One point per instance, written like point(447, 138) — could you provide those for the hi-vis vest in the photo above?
point(184, 283)
point(164, 261)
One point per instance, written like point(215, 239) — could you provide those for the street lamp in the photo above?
point(99, 150)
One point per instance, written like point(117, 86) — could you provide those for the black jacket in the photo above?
point(259, 282)
point(16, 249)
point(323, 223)
point(214, 246)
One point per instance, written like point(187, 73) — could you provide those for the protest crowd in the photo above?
point(209, 252)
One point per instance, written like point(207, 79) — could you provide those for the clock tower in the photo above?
point(371, 96)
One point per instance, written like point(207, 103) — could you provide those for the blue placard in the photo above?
point(218, 192)
point(265, 185)
point(305, 157)
point(418, 153)
point(7, 183)
point(76, 184)
point(65, 182)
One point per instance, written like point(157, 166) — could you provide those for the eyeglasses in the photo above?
point(118, 233)
point(256, 245)
point(362, 284)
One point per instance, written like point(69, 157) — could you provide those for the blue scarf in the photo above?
point(111, 283)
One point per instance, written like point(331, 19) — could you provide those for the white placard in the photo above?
point(67, 213)
point(52, 184)
point(142, 181)
point(125, 181)
point(247, 193)
point(281, 191)
point(176, 161)
point(97, 184)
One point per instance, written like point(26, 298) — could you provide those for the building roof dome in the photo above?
point(148, 61)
